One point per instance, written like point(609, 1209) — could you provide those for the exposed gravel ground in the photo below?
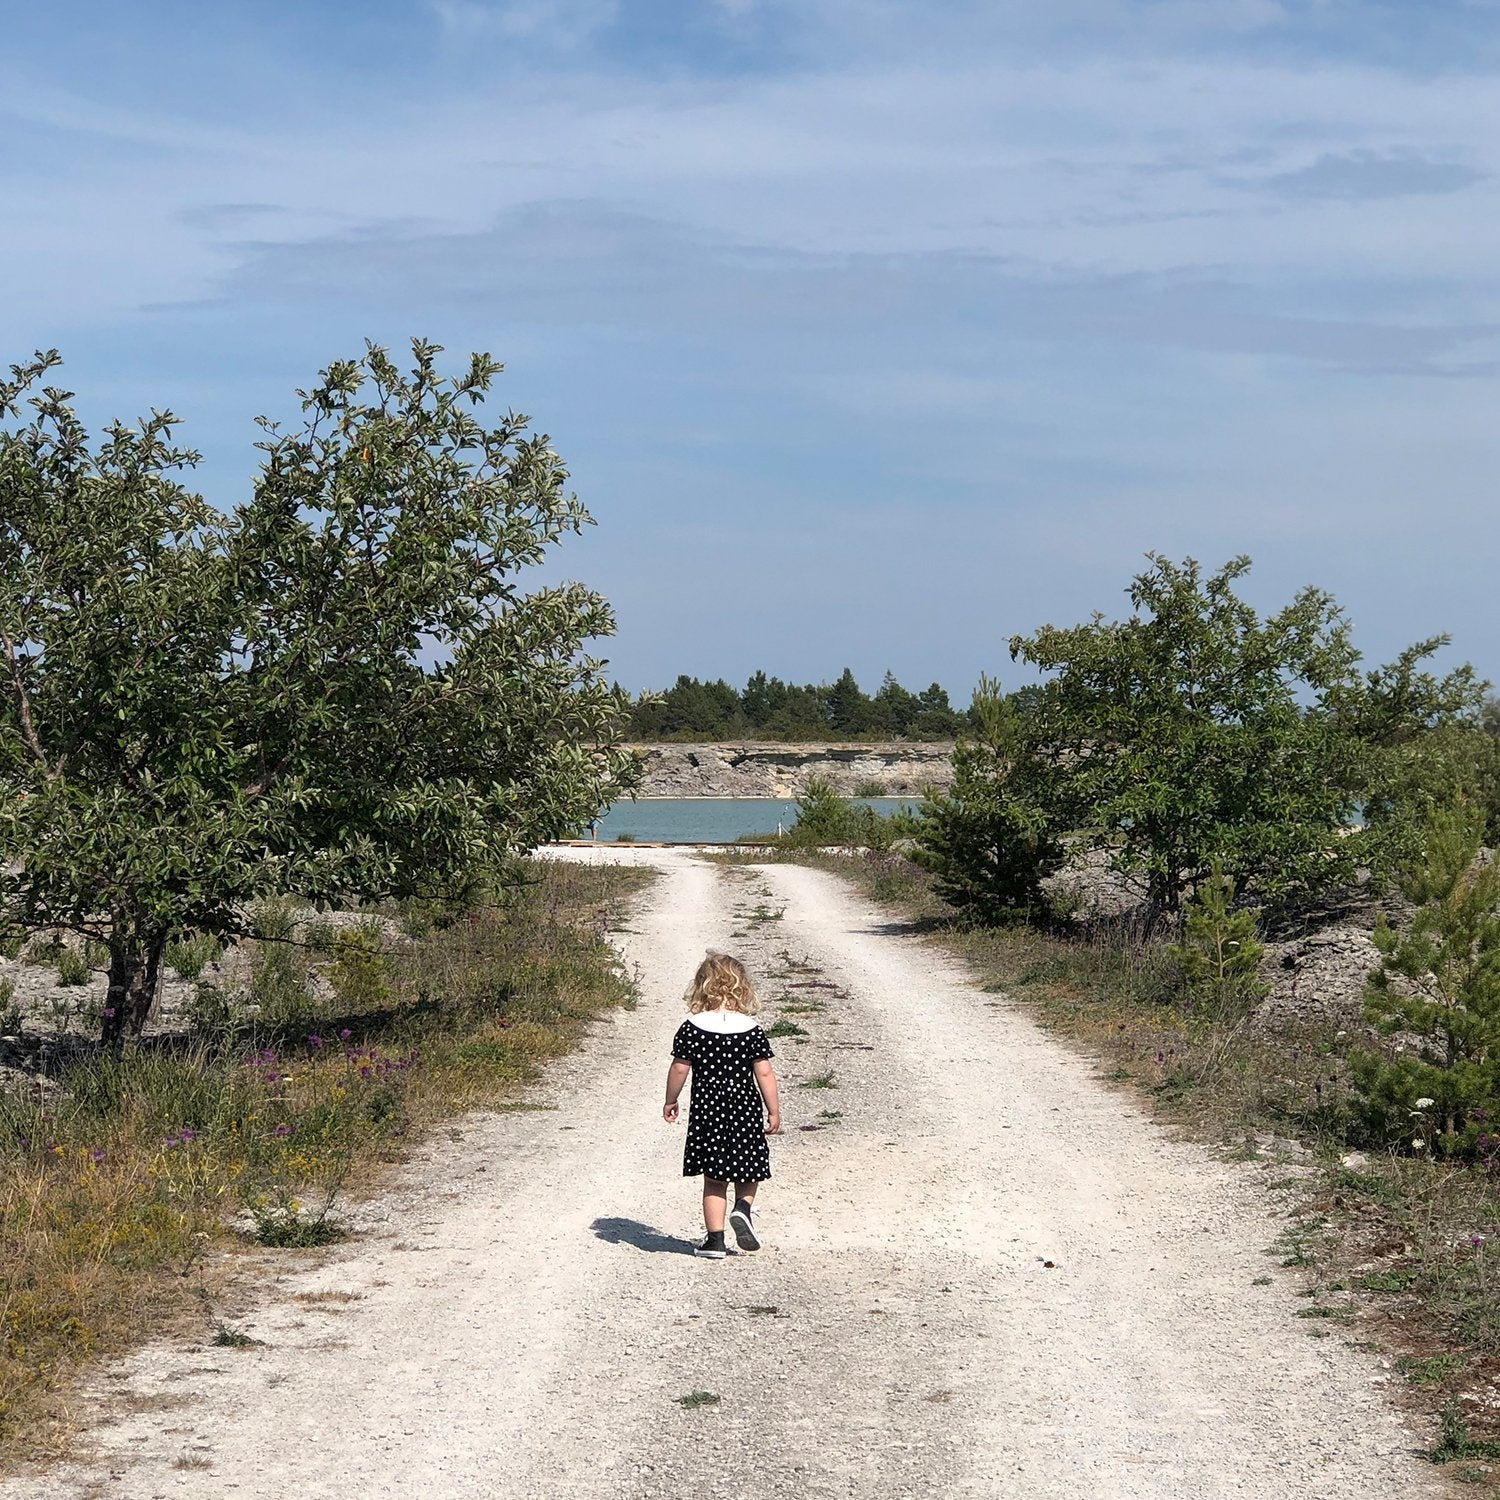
point(989, 1276)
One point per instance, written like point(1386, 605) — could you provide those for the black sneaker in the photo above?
point(744, 1229)
point(712, 1247)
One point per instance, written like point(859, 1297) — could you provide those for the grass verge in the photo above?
point(1402, 1254)
point(120, 1179)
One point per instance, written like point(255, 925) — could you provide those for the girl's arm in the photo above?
point(677, 1075)
point(765, 1081)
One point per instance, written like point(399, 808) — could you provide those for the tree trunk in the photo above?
point(134, 970)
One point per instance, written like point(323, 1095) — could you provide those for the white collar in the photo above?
point(726, 1022)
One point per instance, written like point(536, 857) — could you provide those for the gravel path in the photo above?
point(985, 1275)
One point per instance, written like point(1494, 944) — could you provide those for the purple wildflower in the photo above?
point(282, 1131)
point(314, 1040)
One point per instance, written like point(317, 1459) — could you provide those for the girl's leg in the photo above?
point(740, 1220)
point(714, 1190)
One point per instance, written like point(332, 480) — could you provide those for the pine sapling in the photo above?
point(1436, 999)
point(1220, 952)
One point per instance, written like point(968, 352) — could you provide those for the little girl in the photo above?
point(729, 1056)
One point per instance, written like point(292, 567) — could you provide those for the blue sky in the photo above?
point(872, 332)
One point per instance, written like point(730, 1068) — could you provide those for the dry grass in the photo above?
point(115, 1187)
point(1405, 1249)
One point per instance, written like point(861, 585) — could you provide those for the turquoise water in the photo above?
point(713, 820)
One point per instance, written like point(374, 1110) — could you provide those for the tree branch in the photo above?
point(23, 709)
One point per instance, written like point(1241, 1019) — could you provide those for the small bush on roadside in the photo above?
point(822, 815)
point(825, 819)
point(282, 1222)
point(1219, 953)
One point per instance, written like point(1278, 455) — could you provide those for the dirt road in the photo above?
point(986, 1275)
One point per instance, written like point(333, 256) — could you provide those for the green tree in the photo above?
point(849, 709)
point(1438, 991)
point(761, 697)
point(1424, 746)
point(989, 839)
point(894, 707)
point(935, 718)
point(802, 714)
point(339, 688)
point(1196, 731)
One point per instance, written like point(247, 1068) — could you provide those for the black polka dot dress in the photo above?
point(726, 1134)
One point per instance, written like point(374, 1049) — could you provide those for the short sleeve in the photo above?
point(682, 1043)
point(760, 1046)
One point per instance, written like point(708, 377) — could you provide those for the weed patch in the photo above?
point(819, 1081)
point(232, 1338)
point(781, 1027)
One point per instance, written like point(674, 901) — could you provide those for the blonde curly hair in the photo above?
point(722, 981)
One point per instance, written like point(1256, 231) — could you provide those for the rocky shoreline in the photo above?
point(777, 770)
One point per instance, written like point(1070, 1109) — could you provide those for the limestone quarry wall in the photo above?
point(773, 770)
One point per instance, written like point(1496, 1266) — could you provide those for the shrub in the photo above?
point(988, 840)
point(10, 1012)
point(1436, 995)
point(1197, 729)
point(190, 954)
point(278, 974)
point(73, 967)
point(1219, 953)
point(870, 789)
point(215, 1008)
point(320, 935)
point(823, 816)
point(826, 817)
point(359, 974)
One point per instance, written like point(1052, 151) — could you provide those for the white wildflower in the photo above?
point(1425, 1103)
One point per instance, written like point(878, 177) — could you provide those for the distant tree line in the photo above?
point(768, 708)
